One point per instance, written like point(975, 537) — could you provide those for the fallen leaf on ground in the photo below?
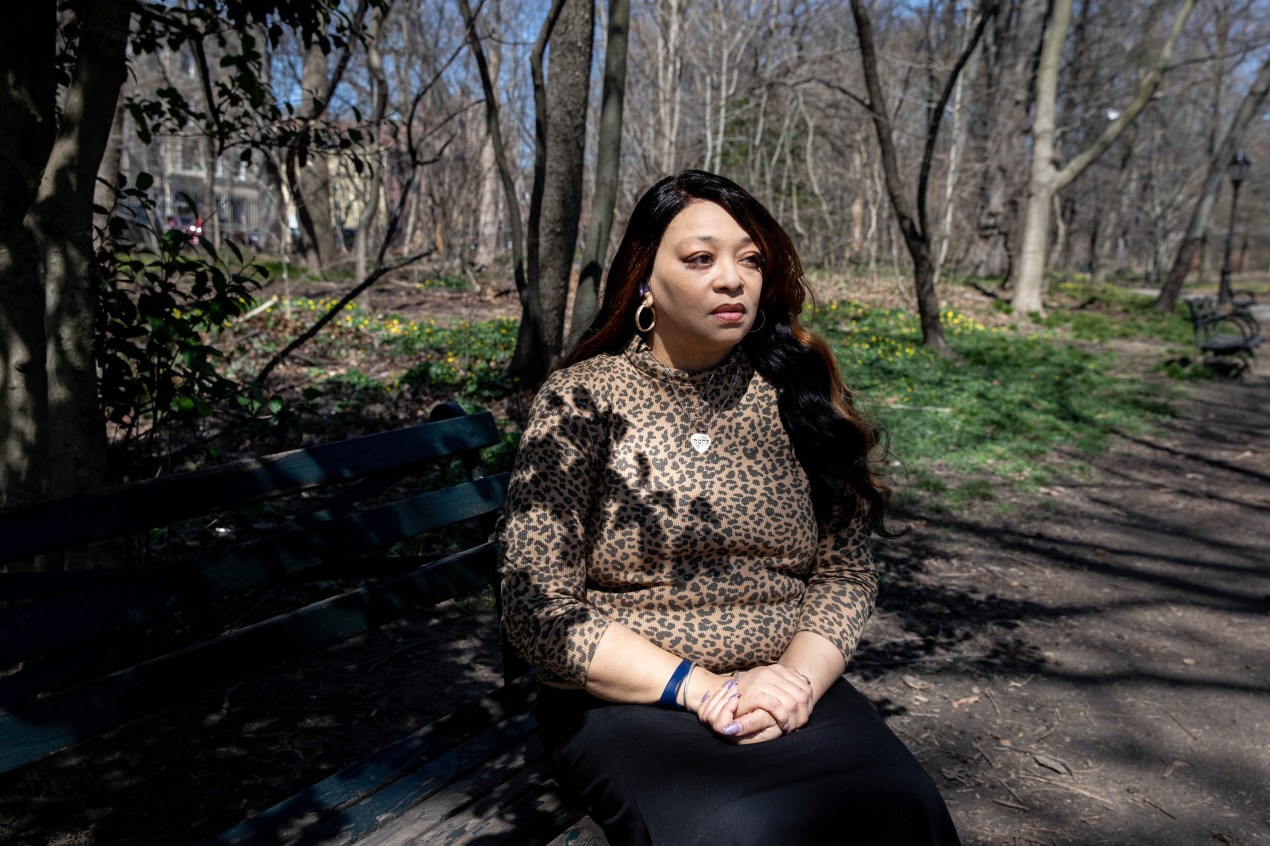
point(1058, 765)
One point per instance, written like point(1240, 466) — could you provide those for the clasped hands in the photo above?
point(759, 704)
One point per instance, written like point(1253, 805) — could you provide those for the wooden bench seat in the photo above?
point(477, 775)
point(373, 521)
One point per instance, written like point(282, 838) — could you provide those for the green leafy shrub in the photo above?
point(159, 311)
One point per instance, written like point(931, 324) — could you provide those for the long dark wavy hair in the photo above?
point(832, 441)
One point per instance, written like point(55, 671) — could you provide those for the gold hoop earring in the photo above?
point(762, 321)
point(642, 308)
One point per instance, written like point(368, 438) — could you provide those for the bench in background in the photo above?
point(1224, 335)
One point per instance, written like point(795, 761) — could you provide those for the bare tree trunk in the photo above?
point(208, 213)
point(532, 358)
point(529, 357)
point(720, 72)
point(1109, 230)
point(954, 164)
point(1061, 219)
point(374, 169)
point(1194, 238)
point(914, 236)
point(1044, 172)
point(311, 179)
point(27, 111)
point(104, 192)
point(1008, 65)
point(670, 63)
point(1046, 177)
point(913, 223)
point(567, 95)
point(607, 159)
point(488, 216)
point(61, 221)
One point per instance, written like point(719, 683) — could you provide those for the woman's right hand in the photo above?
point(717, 710)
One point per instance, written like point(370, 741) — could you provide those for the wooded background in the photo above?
point(999, 140)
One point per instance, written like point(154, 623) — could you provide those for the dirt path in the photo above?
point(1093, 669)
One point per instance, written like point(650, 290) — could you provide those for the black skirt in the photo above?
point(648, 775)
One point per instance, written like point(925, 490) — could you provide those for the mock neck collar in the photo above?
point(639, 354)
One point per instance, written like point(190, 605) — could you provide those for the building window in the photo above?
point(191, 155)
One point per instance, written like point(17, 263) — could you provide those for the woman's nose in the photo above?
point(729, 277)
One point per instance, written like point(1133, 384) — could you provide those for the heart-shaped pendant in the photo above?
point(700, 441)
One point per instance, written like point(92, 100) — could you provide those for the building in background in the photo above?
point(224, 198)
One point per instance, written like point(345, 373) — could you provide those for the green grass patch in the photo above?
point(382, 366)
point(451, 281)
point(965, 430)
point(1137, 318)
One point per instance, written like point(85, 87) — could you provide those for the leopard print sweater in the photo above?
point(715, 557)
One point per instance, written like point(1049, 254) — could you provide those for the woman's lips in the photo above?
point(729, 313)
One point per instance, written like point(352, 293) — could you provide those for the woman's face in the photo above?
point(705, 285)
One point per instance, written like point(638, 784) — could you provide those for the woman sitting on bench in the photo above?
point(687, 554)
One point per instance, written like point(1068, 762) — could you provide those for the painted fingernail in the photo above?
point(731, 683)
point(705, 697)
point(734, 696)
point(732, 729)
point(785, 728)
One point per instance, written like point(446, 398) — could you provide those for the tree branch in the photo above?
point(987, 10)
point(540, 141)
point(321, 322)
point(851, 95)
point(494, 127)
point(1146, 89)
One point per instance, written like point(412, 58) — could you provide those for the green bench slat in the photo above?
point(35, 585)
point(486, 759)
point(53, 723)
point(584, 832)
point(483, 757)
point(523, 809)
point(354, 800)
point(111, 512)
point(36, 628)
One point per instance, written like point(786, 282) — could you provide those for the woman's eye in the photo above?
point(699, 260)
point(754, 260)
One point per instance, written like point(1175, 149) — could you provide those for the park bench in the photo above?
point(80, 657)
point(1223, 335)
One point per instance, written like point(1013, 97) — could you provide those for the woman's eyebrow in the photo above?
point(710, 239)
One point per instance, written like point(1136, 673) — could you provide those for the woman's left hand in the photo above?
point(759, 704)
point(780, 691)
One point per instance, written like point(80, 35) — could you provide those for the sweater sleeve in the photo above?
point(553, 496)
point(843, 584)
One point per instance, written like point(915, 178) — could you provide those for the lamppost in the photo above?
point(1238, 169)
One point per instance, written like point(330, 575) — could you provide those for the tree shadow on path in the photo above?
point(1091, 669)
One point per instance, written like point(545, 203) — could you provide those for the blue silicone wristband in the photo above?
point(670, 696)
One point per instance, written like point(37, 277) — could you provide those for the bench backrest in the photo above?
point(91, 629)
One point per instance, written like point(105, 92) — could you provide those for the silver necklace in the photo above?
point(699, 436)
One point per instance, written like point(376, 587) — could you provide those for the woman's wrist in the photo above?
point(700, 685)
